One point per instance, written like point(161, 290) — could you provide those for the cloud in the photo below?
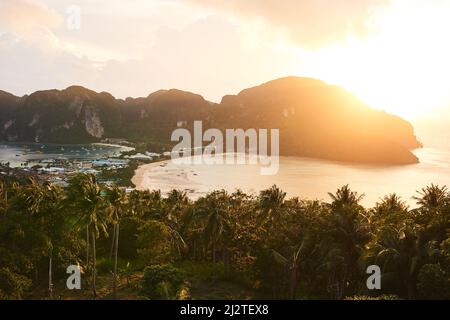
point(310, 23)
point(26, 17)
point(25, 67)
point(205, 57)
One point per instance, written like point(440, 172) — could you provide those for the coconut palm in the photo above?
point(117, 206)
point(432, 197)
point(292, 264)
point(175, 205)
point(391, 204)
point(38, 201)
point(271, 202)
point(345, 197)
point(87, 200)
point(434, 212)
point(348, 225)
point(401, 254)
point(214, 210)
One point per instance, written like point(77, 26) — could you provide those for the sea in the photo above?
point(299, 177)
point(20, 154)
point(306, 178)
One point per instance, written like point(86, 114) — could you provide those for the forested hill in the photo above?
point(315, 119)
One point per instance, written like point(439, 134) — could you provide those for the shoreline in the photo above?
point(142, 170)
point(303, 177)
point(113, 145)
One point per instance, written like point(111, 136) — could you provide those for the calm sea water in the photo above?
point(306, 178)
point(302, 177)
point(17, 154)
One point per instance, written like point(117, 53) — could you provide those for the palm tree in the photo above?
point(434, 212)
point(214, 210)
point(432, 197)
point(146, 203)
point(86, 199)
point(390, 210)
point(192, 228)
point(292, 264)
point(117, 200)
point(175, 205)
point(348, 224)
point(401, 254)
point(344, 197)
point(214, 230)
point(271, 202)
point(38, 201)
point(391, 204)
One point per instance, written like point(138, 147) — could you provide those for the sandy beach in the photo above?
point(166, 176)
point(141, 178)
point(306, 178)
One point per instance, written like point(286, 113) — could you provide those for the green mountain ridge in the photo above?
point(315, 119)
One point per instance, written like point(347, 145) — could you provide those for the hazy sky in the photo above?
point(392, 53)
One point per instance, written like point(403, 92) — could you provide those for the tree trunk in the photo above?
point(411, 289)
point(113, 242)
point(195, 249)
point(214, 257)
point(36, 274)
point(50, 277)
point(223, 256)
point(94, 267)
point(87, 246)
point(116, 249)
point(227, 262)
point(293, 284)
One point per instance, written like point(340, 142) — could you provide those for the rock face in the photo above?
point(321, 121)
point(79, 115)
point(315, 119)
point(92, 122)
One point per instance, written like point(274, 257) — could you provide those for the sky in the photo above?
point(393, 54)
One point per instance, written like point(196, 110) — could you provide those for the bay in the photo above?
point(302, 177)
point(17, 154)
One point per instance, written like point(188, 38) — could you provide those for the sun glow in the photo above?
point(404, 68)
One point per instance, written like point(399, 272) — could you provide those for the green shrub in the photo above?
point(433, 283)
point(185, 292)
point(162, 281)
point(12, 285)
point(154, 243)
point(204, 271)
point(104, 265)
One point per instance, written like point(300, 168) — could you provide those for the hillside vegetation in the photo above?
point(315, 119)
point(222, 246)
